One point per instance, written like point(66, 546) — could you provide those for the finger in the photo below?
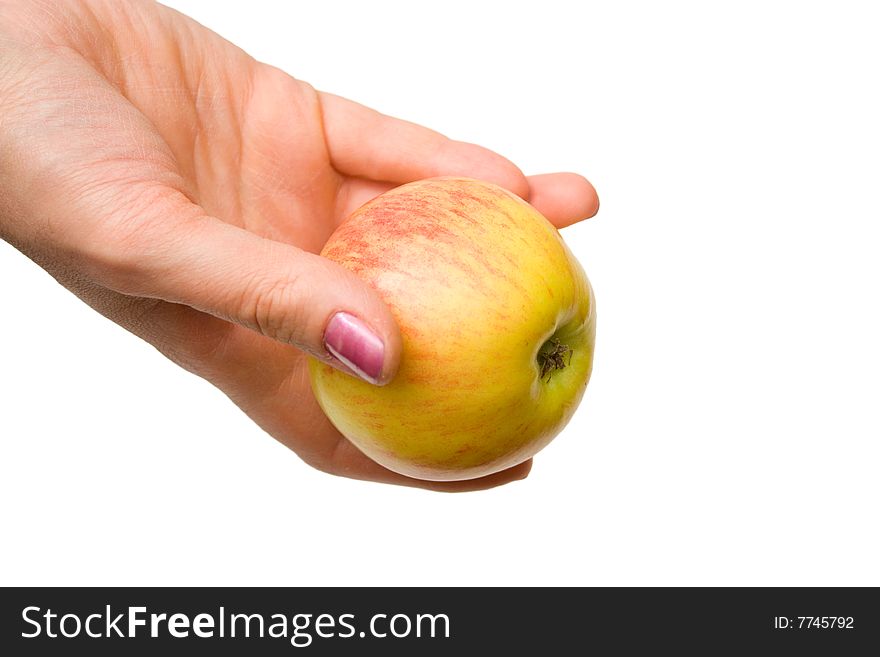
point(276, 289)
point(348, 461)
point(564, 198)
point(367, 144)
point(516, 473)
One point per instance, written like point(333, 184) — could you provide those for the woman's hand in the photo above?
point(183, 189)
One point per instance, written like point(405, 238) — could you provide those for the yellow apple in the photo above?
point(498, 324)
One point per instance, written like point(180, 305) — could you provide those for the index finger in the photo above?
point(367, 144)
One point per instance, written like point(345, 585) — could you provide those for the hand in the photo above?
point(182, 189)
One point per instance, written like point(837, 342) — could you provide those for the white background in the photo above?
point(730, 433)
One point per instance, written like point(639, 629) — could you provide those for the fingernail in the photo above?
point(354, 343)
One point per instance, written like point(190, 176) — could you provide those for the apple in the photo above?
point(497, 320)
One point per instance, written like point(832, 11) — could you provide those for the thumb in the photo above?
point(274, 288)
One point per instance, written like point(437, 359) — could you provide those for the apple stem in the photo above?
point(552, 356)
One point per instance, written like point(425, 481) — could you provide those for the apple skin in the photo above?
point(478, 281)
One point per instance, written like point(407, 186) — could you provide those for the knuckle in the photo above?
point(317, 462)
point(275, 308)
point(329, 458)
point(202, 344)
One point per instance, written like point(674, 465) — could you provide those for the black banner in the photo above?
point(408, 621)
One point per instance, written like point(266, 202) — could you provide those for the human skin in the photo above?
point(183, 189)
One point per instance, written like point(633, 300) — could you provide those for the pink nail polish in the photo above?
point(351, 341)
